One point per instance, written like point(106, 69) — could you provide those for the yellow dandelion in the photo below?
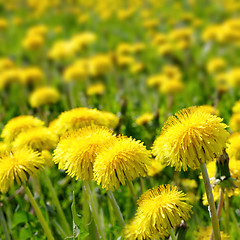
point(32, 75)
point(6, 63)
point(209, 109)
point(160, 209)
point(216, 64)
point(236, 107)
point(43, 96)
point(135, 230)
point(204, 233)
point(144, 119)
point(36, 138)
point(47, 157)
point(17, 165)
point(233, 149)
point(126, 159)
point(112, 119)
point(155, 167)
point(77, 150)
point(96, 89)
point(171, 86)
point(190, 138)
point(19, 124)
point(235, 122)
point(78, 118)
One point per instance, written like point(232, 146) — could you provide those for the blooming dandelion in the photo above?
point(159, 210)
point(77, 150)
point(19, 124)
point(37, 138)
point(18, 165)
point(126, 159)
point(190, 138)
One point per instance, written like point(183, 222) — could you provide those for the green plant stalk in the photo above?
point(226, 220)
point(116, 208)
point(4, 224)
point(59, 229)
point(219, 209)
point(213, 212)
point(93, 209)
point(172, 234)
point(235, 221)
point(60, 212)
point(38, 213)
point(132, 190)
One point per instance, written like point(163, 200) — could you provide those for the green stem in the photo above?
point(4, 224)
point(213, 212)
point(219, 209)
point(226, 213)
point(132, 190)
point(235, 221)
point(93, 209)
point(172, 234)
point(142, 185)
point(60, 212)
point(116, 208)
point(38, 213)
point(59, 229)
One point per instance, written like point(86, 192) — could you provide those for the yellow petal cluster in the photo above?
point(43, 96)
point(17, 165)
point(76, 152)
point(125, 160)
point(159, 210)
point(190, 138)
point(19, 124)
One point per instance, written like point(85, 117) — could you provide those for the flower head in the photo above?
point(160, 209)
point(44, 95)
point(78, 118)
point(77, 150)
point(190, 138)
point(19, 124)
point(17, 165)
point(126, 159)
point(233, 149)
point(235, 122)
point(144, 119)
point(36, 138)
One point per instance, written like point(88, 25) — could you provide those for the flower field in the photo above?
point(119, 120)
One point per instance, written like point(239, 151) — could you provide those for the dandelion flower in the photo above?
point(190, 138)
point(155, 167)
point(235, 122)
point(126, 159)
point(17, 165)
point(44, 95)
point(78, 118)
point(209, 109)
point(36, 138)
point(236, 107)
point(96, 89)
point(19, 124)
point(233, 149)
point(144, 119)
point(159, 210)
point(77, 150)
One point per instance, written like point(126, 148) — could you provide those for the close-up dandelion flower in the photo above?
point(125, 160)
point(17, 166)
point(190, 138)
point(160, 209)
point(77, 151)
point(19, 124)
point(38, 139)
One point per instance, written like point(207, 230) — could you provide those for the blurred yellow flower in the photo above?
point(144, 119)
point(96, 89)
point(19, 124)
point(216, 65)
point(234, 122)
